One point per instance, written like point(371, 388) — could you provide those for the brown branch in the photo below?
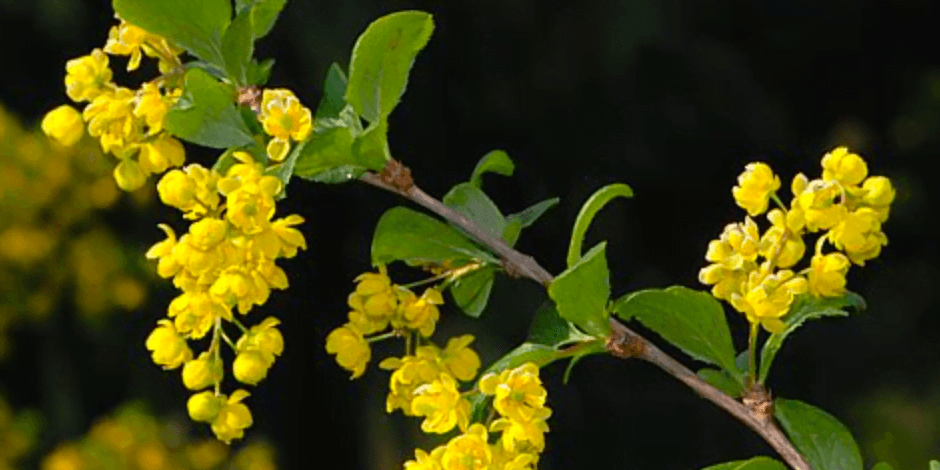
point(623, 343)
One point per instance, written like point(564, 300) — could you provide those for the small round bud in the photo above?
point(64, 124)
point(204, 406)
point(251, 367)
point(129, 175)
point(202, 372)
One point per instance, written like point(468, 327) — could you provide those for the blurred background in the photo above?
point(673, 98)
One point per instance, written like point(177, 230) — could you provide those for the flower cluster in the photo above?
point(54, 245)
point(127, 123)
point(226, 261)
point(519, 400)
point(134, 439)
point(752, 271)
point(426, 383)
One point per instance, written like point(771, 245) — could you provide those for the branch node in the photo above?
point(511, 269)
point(250, 96)
point(759, 403)
point(624, 345)
point(397, 175)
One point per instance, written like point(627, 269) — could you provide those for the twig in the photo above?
point(624, 342)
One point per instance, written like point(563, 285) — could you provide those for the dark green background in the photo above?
point(673, 98)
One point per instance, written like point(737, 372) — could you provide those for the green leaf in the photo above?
point(887, 466)
point(334, 91)
point(581, 292)
point(237, 48)
point(550, 329)
point(259, 73)
point(472, 202)
point(805, 307)
point(197, 26)
point(472, 291)
point(512, 231)
point(206, 114)
point(722, 381)
point(691, 320)
point(382, 59)
point(264, 14)
point(539, 354)
point(757, 463)
point(596, 347)
point(822, 439)
point(406, 235)
point(370, 149)
point(533, 212)
point(934, 465)
point(590, 208)
point(330, 148)
point(497, 161)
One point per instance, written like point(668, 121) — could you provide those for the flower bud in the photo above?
point(204, 406)
point(168, 348)
point(64, 124)
point(251, 367)
point(129, 175)
point(202, 372)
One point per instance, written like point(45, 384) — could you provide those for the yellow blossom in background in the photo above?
point(64, 124)
point(754, 188)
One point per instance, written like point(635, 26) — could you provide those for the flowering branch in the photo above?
point(623, 343)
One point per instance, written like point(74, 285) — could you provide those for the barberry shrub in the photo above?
point(212, 92)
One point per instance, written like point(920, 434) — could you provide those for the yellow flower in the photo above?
point(161, 153)
point(779, 243)
point(87, 76)
point(351, 349)
point(510, 460)
point(754, 188)
point(425, 461)
point(283, 118)
point(251, 366)
point(826, 277)
point(468, 451)
point(129, 175)
point(204, 406)
point(733, 255)
point(205, 371)
point(459, 359)
point(859, 235)
point(410, 372)
point(64, 125)
point(373, 303)
point(233, 418)
point(878, 194)
point(516, 434)
point(194, 313)
point(767, 297)
point(517, 393)
point(441, 405)
point(263, 337)
point(127, 39)
point(843, 166)
point(419, 314)
point(820, 202)
point(290, 238)
point(168, 348)
point(110, 118)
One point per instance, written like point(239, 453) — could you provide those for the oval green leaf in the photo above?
point(691, 320)
point(382, 59)
point(821, 438)
point(406, 235)
point(581, 292)
point(472, 291)
point(590, 208)
point(496, 161)
point(722, 381)
point(197, 26)
point(206, 114)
